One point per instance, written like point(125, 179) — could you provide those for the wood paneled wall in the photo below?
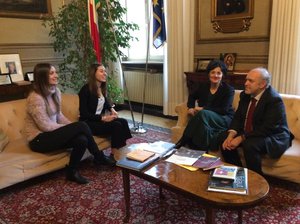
point(252, 46)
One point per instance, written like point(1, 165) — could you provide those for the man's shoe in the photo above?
point(112, 157)
point(106, 161)
point(74, 175)
point(178, 145)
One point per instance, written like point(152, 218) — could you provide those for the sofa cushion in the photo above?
point(15, 164)
point(25, 156)
point(3, 140)
point(287, 166)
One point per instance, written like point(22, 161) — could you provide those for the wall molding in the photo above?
point(25, 46)
point(241, 59)
point(32, 53)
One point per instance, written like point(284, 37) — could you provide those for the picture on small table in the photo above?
point(29, 76)
point(5, 79)
point(229, 59)
point(11, 64)
point(202, 64)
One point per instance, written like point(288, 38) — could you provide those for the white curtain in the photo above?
point(284, 52)
point(179, 51)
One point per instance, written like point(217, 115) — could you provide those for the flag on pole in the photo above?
point(159, 29)
point(93, 5)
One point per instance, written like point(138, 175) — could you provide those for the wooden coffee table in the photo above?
point(194, 185)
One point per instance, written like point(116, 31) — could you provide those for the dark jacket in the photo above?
point(88, 105)
point(269, 120)
point(221, 104)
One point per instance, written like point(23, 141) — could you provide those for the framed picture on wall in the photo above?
point(229, 59)
point(34, 9)
point(11, 64)
point(202, 64)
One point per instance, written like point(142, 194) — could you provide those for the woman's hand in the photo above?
point(114, 112)
point(197, 109)
point(109, 118)
point(193, 111)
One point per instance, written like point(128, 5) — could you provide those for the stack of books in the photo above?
point(229, 179)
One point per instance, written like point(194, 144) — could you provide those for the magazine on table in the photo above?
point(159, 147)
point(185, 156)
point(238, 186)
point(206, 161)
point(216, 164)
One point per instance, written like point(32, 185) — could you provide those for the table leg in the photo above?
point(126, 187)
point(240, 216)
point(161, 195)
point(210, 216)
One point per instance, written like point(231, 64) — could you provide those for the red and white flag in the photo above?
point(93, 5)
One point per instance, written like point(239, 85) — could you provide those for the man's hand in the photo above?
point(231, 143)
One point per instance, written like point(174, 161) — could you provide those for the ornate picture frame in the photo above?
point(30, 9)
point(229, 59)
point(230, 16)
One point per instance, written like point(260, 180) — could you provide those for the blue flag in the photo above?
point(159, 28)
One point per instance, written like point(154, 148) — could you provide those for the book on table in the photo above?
point(237, 186)
point(139, 155)
point(225, 172)
point(136, 165)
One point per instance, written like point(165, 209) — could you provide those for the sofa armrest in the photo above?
point(183, 118)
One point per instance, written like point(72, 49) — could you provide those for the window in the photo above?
point(138, 12)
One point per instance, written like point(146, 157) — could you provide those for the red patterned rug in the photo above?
point(52, 199)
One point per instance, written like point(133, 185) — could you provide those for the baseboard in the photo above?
point(148, 109)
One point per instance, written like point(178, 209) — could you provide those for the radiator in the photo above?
point(154, 87)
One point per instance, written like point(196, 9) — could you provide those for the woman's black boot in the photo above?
point(74, 175)
point(101, 159)
point(181, 142)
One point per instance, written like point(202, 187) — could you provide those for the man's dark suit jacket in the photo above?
point(269, 120)
point(221, 104)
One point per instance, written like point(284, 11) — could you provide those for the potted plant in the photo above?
point(70, 32)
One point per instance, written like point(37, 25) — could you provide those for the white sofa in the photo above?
point(17, 161)
point(288, 165)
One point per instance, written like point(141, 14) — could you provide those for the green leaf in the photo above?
point(69, 29)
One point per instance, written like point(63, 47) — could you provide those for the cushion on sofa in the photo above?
point(25, 156)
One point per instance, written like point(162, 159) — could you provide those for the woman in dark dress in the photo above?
point(213, 112)
point(98, 113)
